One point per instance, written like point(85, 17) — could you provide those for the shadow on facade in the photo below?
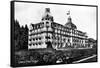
point(49, 44)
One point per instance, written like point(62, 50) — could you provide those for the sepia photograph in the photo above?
point(45, 33)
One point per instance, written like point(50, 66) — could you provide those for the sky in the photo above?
point(82, 16)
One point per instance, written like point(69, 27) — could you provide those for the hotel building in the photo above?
point(48, 33)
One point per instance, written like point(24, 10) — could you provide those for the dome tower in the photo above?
point(69, 23)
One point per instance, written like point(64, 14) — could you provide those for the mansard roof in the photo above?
point(47, 17)
point(71, 25)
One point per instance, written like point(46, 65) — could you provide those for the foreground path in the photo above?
point(85, 59)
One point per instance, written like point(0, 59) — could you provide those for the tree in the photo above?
point(16, 34)
point(20, 36)
point(24, 37)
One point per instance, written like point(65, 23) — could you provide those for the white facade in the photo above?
point(58, 36)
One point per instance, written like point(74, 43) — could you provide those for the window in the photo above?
point(47, 37)
point(39, 26)
point(36, 38)
point(54, 25)
point(68, 40)
point(39, 43)
point(39, 38)
point(33, 44)
point(33, 39)
point(42, 24)
point(36, 43)
point(47, 22)
point(58, 31)
point(30, 44)
point(64, 39)
point(55, 43)
point(29, 39)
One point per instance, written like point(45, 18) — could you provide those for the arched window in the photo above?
point(42, 25)
point(36, 43)
point(39, 38)
point(68, 40)
point(39, 43)
point(33, 39)
point(29, 39)
point(30, 44)
point(47, 22)
point(64, 39)
point(36, 38)
point(33, 44)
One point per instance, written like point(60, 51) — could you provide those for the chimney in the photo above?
point(47, 10)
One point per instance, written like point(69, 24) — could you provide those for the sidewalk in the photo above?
point(85, 59)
